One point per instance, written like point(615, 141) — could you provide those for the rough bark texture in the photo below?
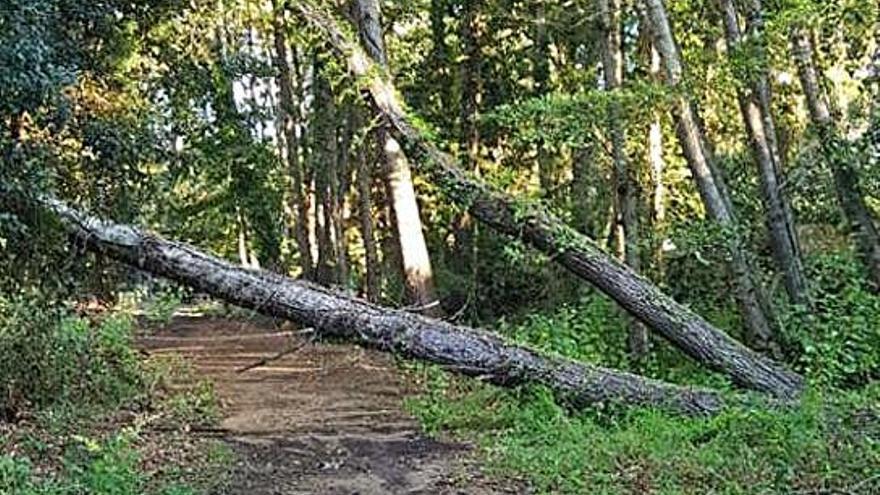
point(291, 118)
point(579, 254)
point(750, 295)
point(417, 271)
point(755, 109)
point(846, 180)
point(365, 211)
point(324, 130)
point(626, 182)
point(541, 76)
point(333, 315)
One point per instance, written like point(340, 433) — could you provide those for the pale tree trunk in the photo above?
point(417, 271)
point(332, 315)
point(626, 185)
point(750, 295)
point(658, 170)
point(846, 180)
point(754, 104)
point(537, 227)
point(291, 119)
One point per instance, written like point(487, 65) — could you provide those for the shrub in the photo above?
point(837, 343)
point(48, 357)
point(827, 444)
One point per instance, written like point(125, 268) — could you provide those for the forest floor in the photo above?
point(320, 418)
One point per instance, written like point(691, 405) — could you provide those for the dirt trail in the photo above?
point(326, 419)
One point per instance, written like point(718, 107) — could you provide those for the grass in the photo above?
point(829, 444)
point(90, 415)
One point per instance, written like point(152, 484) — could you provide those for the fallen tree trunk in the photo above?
point(333, 315)
point(565, 245)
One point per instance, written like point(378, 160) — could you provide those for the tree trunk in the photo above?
point(417, 272)
point(626, 185)
point(541, 67)
point(846, 180)
point(440, 60)
point(658, 171)
point(365, 211)
point(325, 140)
point(466, 231)
point(341, 183)
point(750, 295)
point(333, 315)
point(754, 104)
point(291, 119)
point(579, 254)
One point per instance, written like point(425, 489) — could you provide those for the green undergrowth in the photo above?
point(85, 412)
point(829, 444)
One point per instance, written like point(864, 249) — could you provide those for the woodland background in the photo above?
point(729, 155)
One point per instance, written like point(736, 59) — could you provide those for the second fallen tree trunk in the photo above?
point(333, 315)
point(543, 231)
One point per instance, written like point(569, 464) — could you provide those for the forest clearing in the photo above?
point(439, 246)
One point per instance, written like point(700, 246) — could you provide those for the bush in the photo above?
point(48, 357)
point(838, 343)
point(826, 444)
point(107, 467)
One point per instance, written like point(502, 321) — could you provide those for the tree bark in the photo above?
point(626, 185)
point(417, 272)
point(333, 315)
point(365, 211)
point(291, 119)
point(466, 230)
point(325, 128)
point(658, 171)
point(750, 295)
point(754, 104)
point(541, 75)
point(846, 180)
point(579, 254)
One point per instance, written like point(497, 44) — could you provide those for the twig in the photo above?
point(279, 355)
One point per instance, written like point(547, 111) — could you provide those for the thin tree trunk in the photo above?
point(626, 186)
point(755, 109)
point(846, 180)
point(541, 64)
point(658, 171)
point(440, 60)
point(333, 315)
point(466, 230)
point(365, 211)
point(341, 183)
point(291, 118)
point(753, 303)
point(535, 226)
point(417, 272)
point(325, 128)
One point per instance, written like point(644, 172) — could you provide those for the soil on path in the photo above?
point(324, 419)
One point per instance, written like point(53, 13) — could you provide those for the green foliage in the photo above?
point(838, 344)
point(47, 357)
point(91, 467)
point(160, 308)
point(821, 444)
point(592, 330)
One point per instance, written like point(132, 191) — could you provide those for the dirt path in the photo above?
point(326, 419)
